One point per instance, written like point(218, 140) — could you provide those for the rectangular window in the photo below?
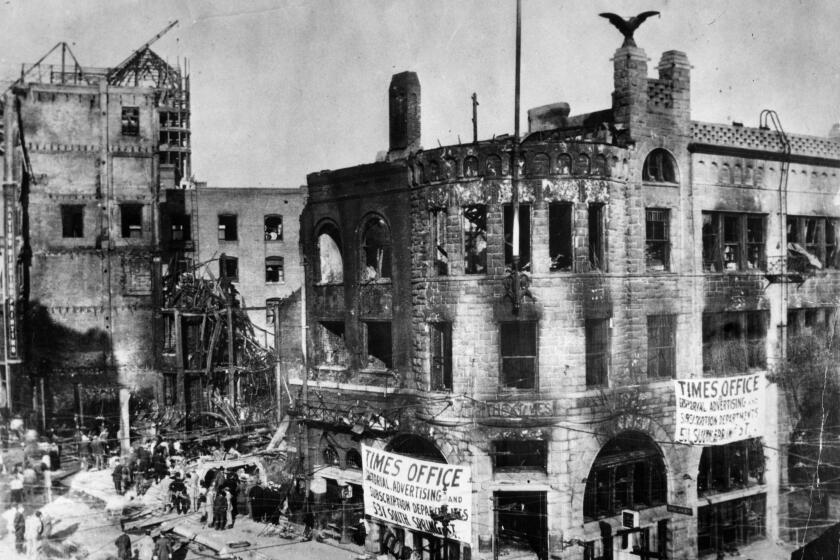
point(274, 269)
point(513, 454)
point(809, 325)
point(379, 349)
point(229, 268)
point(180, 228)
point(812, 242)
point(72, 220)
point(524, 236)
point(130, 121)
point(661, 331)
point(519, 354)
point(560, 235)
point(440, 257)
point(730, 524)
point(441, 356)
point(596, 237)
point(733, 242)
point(597, 351)
point(733, 466)
point(734, 342)
point(132, 220)
point(273, 225)
point(657, 241)
point(227, 227)
point(475, 239)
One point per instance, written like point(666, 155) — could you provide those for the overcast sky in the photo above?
point(282, 88)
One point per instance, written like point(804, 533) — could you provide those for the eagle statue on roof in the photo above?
point(628, 26)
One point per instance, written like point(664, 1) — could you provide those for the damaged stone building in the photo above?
point(653, 249)
point(96, 165)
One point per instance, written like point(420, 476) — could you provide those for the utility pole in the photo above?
point(514, 199)
point(475, 117)
point(279, 381)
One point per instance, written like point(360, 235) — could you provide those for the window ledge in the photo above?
point(660, 184)
point(383, 281)
point(377, 371)
point(328, 284)
point(751, 272)
point(712, 497)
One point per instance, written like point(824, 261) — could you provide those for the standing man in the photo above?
point(20, 528)
point(96, 449)
point(117, 477)
point(163, 549)
point(32, 532)
point(123, 543)
point(219, 510)
point(146, 547)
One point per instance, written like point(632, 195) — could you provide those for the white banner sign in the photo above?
point(714, 411)
point(406, 491)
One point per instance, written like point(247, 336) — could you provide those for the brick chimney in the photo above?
point(404, 112)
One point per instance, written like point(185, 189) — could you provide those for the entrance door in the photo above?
point(521, 525)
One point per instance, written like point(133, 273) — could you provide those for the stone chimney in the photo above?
point(404, 112)
point(630, 87)
point(674, 69)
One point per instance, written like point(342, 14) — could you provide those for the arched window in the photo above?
point(600, 167)
point(628, 473)
point(353, 459)
point(330, 260)
point(564, 164)
point(470, 166)
point(660, 167)
point(376, 250)
point(582, 165)
point(330, 456)
point(493, 166)
point(540, 165)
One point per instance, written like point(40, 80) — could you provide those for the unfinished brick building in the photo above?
point(653, 247)
point(90, 155)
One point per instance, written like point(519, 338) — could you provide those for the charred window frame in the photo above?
point(130, 121)
point(330, 259)
point(657, 239)
point(131, 220)
point(810, 326)
point(440, 356)
point(524, 235)
point(660, 167)
point(376, 250)
point(730, 524)
point(330, 456)
point(180, 227)
point(733, 466)
point(596, 237)
point(516, 454)
point(662, 346)
point(560, 235)
point(353, 459)
point(817, 236)
point(518, 345)
point(229, 268)
point(475, 238)
point(378, 345)
point(733, 242)
point(734, 342)
point(168, 346)
point(597, 351)
point(227, 227)
point(170, 389)
point(521, 522)
point(273, 227)
point(437, 227)
point(331, 345)
point(72, 220)
point(274, 273)
point(628, 473)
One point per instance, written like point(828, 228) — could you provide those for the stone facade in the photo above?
point(619, 174)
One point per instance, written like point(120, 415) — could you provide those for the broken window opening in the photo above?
point(170, 392)
point(662, 352)
point(441, 356)
point(733, 466)
point(628, 473)
point(513, 454)
point(437, 219)
point(726, 525)
point(274, 270)
point(734, 342)
point(660, 167)
point(379, 350)
point(273, 226)
point(560, 235)
point(812, 242)
point(810, 329)
point(475, 239)
point(330, 456)
point(597, 351)
point(330, 260)
point(353, 459)
point(168, 333)
point(227, 227)
point(657, 239)
point(131, 220)
point(130, 121)
point(521, 525)
point(376, 248)
point(596, 237)
point(229, 268)
point(524, 235)
point(518, 342)
point(331, 346)
point(72, 220)
point(733, 242)
point(180, 228)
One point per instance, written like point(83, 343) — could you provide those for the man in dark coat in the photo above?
point(123, 543)
point(220, 511)
point(20, 528)
point(117, 476)
point(163, 548)
point(178, 492)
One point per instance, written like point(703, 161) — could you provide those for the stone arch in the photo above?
point(330, 261)
point(540, 165)
point(583, 165)
point(725, 175)
point(600, 167)
point(493, 166)
point(416, 446)
point(737, 174)
point(564, 164)
point(660, 167)
point(375, 248)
